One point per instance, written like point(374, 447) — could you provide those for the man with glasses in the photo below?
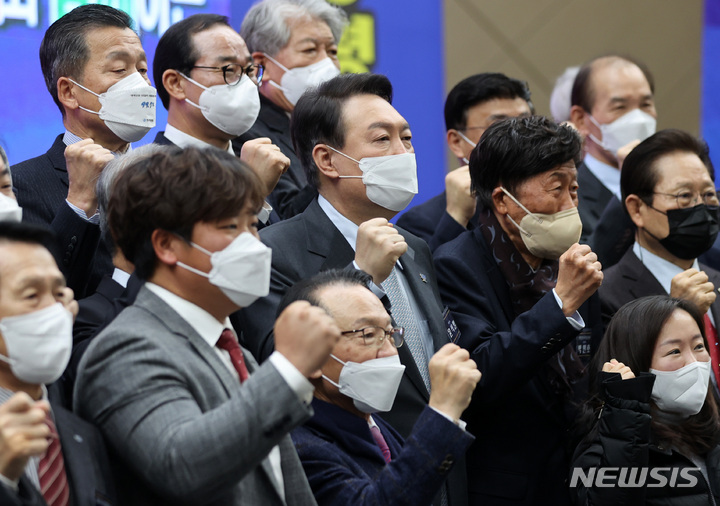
point(351, 455)
point(208, 83)
point(668, 190)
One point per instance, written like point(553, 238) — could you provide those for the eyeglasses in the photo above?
point(686, 199)
point(233, 72)
point(375, 336)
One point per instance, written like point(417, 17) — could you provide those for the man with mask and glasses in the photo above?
point(669, 193)
point(350, 454)
point(208, 83)
point(189, 416)
point(96, 71)
point(522, 292)
point(47, 454)
point(296, 42)
point(357, 151)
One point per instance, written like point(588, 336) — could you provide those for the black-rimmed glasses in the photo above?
point(233, 72)
point(687, 199)
point(375, 336)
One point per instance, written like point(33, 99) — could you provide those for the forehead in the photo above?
point(18, 260)
point(618, 78)
point(361, 112)
point(496, 109)
point(349, 304)
point(108, 41)
point(681, 168)
point(307, 27)
point(565, 171)
point(679, 326)
point(219, 41)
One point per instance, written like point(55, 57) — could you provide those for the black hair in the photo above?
point(307, 289)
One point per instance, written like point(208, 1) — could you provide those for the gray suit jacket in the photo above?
point(181, 428)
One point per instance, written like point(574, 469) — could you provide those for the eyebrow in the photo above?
point(369, 321)
point(125, 55)
point(315, 40)
point(676, 341)
point(33, 280)
point(387, 126)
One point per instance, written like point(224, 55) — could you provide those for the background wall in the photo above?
point(535, 40)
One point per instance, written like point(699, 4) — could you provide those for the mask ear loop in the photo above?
point(328, 379)
point(349, 158)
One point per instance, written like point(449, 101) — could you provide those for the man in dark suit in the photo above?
point(189, 416)
point(352, 456)
point(202, 52)
point(669, 193)
point(519, 310)
point(297, 44)
point(613, 107)
point(47, 454)
point(471, 107)
point(83, 54)
point(345, 119)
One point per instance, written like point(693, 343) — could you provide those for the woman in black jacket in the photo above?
point(651, 427)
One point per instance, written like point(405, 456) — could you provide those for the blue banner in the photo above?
point(710, 98)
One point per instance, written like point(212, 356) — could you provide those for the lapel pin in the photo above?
point(423, 278)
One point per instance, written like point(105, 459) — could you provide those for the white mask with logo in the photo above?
point(232, 109)
point(372, 385)
point(127, 107)
point(390, 181)
point(38, 344)
point(241, 270)
point(9, 209)
point(297, 81)
point(635, 125)
point(682, 392)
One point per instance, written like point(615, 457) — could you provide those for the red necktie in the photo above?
point(712, 339)
point(51, 471)
point(228, 343)
point(380, 440)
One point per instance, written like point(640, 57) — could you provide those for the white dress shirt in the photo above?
point(608, 175)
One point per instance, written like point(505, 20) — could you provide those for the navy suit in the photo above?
point(41, 185)
point(613, 235)
point(519, 420)
point(291, 194)
point(310, 243)
point(86, 465)
point(344, 464)
point(593, 198)
point(430, 221)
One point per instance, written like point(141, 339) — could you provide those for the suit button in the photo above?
point(73, 240)
point(446, 464)
point(70, 247)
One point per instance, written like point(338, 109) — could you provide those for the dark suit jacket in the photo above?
point(629, 279)
point(344, 464)
point(86, 465)
point(613, 235)
point(593, 197)
point(430, 221)
point(292, 194)
point(520, 422)
point(41, 184)
point(309, 243)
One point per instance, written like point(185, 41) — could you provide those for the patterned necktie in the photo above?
point(228, 343)
point(404, 317)
point(51, 471)
point(380, 440)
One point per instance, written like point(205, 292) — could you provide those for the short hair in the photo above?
point(12, 231)
point(479, 88)
point(307, 289)
point(64, 50)
point(176, 51)
point(318, 116)
point(514, 150)
point(639, 175)
point(6, 162)
point(560, 97)
point(173, 190)
point(583, 92)
point(266, 25)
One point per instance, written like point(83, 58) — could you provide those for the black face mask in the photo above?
point(692, 231)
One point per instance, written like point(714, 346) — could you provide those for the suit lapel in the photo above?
point(640, 281)
point(496, 278)
point(325, 240)
point(56, 153)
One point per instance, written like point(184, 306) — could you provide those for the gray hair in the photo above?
point(110, 173)
point(560, 97)
point(265, 27)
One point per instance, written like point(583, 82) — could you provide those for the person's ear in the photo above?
point(635, 208)
point(581, 119)
point(174, 84)
point(323, 158)
point(66, 92)
point(498, 198)
point(456, 143)
point(166, 246)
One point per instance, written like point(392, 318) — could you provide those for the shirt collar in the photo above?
point(608, 175)
point(200, 320)
point(121, 277)
point(5, 394)
point(346, 227)
point(70, 138)
point(183, 140)
point(663, 270)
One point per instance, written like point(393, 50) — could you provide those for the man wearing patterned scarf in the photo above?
point(522, 292)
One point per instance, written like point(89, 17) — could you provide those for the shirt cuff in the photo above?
point(294, 378)
point(94, 219)
point(377, 290)
point(13, 484)
point(459, 423)
point(264, 214)
point(576, 320)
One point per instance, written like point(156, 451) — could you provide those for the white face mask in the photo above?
point(241, 270)
point(682, 392)
point(9, 209)
point(38, 344)
point(548, 235)
point(297, 81)
point(474, 145)
point(232, 109)
point(372, 385)
point(635, 125)
point(127, 107)
point(390, 181)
